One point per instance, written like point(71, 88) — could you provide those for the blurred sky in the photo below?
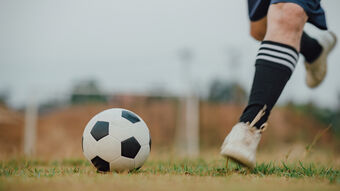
point(132, 46)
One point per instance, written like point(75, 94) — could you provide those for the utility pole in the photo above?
point(188, 127)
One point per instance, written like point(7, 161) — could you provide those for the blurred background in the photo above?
point(184, 66)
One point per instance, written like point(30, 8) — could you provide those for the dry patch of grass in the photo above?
point(168, 174)
point(152, 182)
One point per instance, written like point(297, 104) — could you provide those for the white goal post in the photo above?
point(31, 114)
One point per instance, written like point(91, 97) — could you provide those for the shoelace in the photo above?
point(257, 118)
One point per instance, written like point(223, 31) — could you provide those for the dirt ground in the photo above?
point(166, 182)
point(59, 131)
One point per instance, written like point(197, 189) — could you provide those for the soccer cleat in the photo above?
point(316, 71)
point(241, 143)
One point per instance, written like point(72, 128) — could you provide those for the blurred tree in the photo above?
point(220, 91)
point(87, 92)
point(51, 105)
point(4, 94)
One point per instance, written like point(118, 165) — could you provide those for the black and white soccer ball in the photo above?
point(116, 140)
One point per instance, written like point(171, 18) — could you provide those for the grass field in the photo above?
point(168, 173)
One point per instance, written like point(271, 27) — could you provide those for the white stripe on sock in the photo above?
point(276, 60)
point(278, 54)
point(280, 48)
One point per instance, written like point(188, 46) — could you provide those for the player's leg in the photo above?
point(258, 28)
point(310, 48)
point(274, 63)
point(315, 51)
point(276, 58)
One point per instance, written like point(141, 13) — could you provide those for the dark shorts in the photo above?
point(316, 15)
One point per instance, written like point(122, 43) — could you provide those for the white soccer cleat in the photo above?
point(241, 143)
point(316, 71)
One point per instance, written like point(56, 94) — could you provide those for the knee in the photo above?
point(257, 33)
point(258, 29)
point(288, 16)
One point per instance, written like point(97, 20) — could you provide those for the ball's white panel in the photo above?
point(109, 115)
point(141, 132)
point(115, 116)
point(121, 164)
point(108, 148)
point(120, 130)
point(89, 146)
point(120, 127)
point(142, 156)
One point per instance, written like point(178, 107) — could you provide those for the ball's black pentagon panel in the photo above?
point(150, 143)
point(130, 116)
point(100, 130)
point(100, 164)
point(130, 147)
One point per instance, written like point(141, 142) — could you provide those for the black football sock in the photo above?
point(274, 65)
point(310, 48)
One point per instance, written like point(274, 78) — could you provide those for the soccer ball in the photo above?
point(116, 140)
